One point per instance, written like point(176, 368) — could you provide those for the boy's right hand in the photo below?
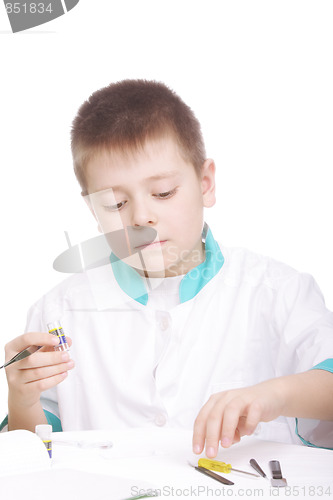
point(39, 371)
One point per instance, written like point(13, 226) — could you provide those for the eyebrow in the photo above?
point(163, 175)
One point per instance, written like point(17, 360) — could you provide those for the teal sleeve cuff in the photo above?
point(54, 421)
point(325, 365)
point(51, 419)
point(4, 423)
point(308, 443)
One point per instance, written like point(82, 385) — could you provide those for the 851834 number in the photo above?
point(307, 491)
point(28, 8)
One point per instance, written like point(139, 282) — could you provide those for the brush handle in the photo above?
point(257, 467)
point(212, 474)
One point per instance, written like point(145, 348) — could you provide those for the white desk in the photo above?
point(159, 457)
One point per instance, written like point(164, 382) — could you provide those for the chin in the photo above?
point(145, 262)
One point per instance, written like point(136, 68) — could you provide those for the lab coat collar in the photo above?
point(135, 286)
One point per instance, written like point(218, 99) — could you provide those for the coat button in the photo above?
point(164, 324)
point(160, 419)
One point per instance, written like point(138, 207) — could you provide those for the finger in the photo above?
point(47, 383)
point(199, 429)
point(232, 413)
point(69, 341)
point(44, 372)
point(28, 339)
point(241, 427)
point(54, 347)
point(237, 436)
point(40, 359)
point(213, 429)
point(253, 417)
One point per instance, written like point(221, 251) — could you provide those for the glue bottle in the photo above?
point(56, 329)
point(44, 431)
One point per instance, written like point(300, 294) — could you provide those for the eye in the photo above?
point(114, 208)
point(167, 194)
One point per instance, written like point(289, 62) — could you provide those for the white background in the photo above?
point(258, 75)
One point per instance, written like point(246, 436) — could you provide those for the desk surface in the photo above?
point(157, 459)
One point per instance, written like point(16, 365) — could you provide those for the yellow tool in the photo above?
point(220, 466)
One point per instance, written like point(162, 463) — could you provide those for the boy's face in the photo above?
point(153, 187)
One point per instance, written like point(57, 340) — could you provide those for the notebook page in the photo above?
point(22, 451)
point(70, 484)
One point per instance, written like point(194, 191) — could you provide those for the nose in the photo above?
point(143, 214)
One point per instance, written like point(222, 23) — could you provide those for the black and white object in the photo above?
point(277, 479)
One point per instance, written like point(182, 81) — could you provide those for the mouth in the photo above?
point(151, 244)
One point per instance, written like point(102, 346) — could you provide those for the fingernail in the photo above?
point(65, 356)
point(225, 442)
point(197, 449)
point(55, 340)
point(70, 364)
point(210, 452)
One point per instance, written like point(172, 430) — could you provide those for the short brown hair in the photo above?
point(125, 114)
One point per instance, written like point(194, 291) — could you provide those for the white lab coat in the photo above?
point(254, 320)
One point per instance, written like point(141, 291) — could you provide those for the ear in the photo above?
point(89, 205)
point(208, 183)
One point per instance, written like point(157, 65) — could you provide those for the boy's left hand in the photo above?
point(231, 414)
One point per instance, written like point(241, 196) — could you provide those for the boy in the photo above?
point(178, 330)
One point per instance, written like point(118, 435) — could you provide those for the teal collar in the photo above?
point(134, 285)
